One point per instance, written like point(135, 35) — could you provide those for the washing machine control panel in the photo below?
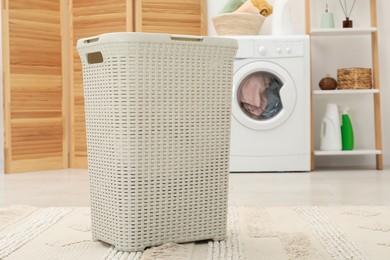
point(279, 48)
point(269, 46)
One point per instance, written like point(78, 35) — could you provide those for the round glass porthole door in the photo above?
point(264, 95)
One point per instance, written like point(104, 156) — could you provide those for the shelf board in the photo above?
point(345, 91)
point(353, 152)
point(343, 31)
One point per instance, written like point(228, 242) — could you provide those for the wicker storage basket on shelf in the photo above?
point(158, 111)
point(238, 23)
point(354, 78)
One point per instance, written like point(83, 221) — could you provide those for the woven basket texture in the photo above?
point(238, 23)
point(158, 128)
point(354, 78)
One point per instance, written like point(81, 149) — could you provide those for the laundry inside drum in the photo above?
point(259, 95)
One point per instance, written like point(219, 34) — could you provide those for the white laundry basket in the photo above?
point(158, 127)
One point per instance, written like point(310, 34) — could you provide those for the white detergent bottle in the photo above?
point(281, 21)
point(330, 129)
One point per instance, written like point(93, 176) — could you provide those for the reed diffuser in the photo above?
point(347, 23)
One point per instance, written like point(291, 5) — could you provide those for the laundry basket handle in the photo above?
point(94, 55)
point(191, 38)
point(91, 39)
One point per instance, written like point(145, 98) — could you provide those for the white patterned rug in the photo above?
point(253, 233)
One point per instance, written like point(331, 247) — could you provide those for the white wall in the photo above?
point(332, 53)
point(384, 64)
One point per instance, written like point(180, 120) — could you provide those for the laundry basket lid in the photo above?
point(157, 37)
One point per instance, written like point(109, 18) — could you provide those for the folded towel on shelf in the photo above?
point(263, 6)
point(256, 7)
point(247, 7)
point(232, 5)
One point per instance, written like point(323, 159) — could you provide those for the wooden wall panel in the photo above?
point(88, 18)
point(171, 16)
point(35, 118)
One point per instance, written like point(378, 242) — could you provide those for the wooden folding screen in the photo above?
point(88, 18)
point(93, 17)
point(36, 53)
point(34, 92)
point(171, 16)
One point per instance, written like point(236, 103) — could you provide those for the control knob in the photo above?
point(262, 50)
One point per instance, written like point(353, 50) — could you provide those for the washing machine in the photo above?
point(270, 128)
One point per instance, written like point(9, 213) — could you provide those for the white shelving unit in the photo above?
point(338, 34)
point(343, 31)
point(345, 91)
point(353, 152)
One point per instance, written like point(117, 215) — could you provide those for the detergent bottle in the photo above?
point(346, 130)
point(330, 129)
point(327, 20)
point(282, 22)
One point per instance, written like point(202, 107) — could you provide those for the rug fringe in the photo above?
point(114, 254)
point(169, 251)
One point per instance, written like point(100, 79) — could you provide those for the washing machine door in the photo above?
point(264, 95)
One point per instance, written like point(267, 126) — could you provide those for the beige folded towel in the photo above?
point(247, 7)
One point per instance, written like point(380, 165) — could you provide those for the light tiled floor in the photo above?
point(324, 187)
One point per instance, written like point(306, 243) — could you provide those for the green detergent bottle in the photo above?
point(347, 138)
